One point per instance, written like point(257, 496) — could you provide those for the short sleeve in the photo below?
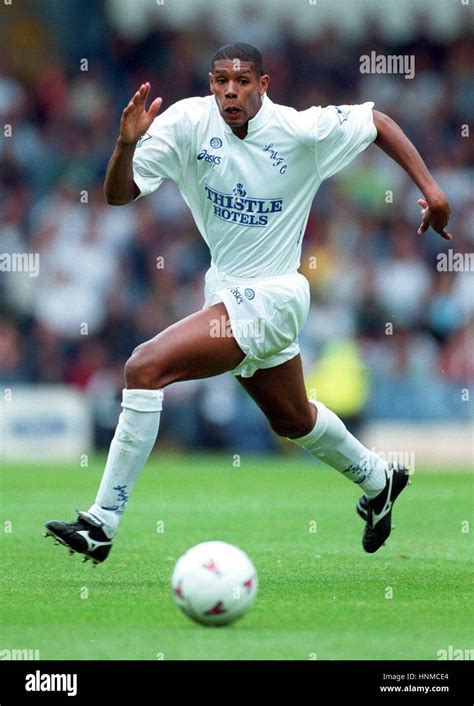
point(158, 152)
point(342, 132)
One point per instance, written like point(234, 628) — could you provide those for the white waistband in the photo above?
point(225, 277)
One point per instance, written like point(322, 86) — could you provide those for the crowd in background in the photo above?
point(389, 334)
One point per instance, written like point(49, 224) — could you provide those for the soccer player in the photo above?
point(248, 169)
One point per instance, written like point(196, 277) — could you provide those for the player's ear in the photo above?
point(211, 82)
point(263, 84)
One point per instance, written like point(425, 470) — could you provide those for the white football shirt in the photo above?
point(251, 198)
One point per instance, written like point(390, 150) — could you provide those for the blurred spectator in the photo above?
point(13, 363)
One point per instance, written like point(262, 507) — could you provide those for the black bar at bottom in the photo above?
point(92, 683)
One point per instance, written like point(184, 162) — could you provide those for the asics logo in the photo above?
point(92, 544)
point(237, 295)
point(208, 157)
point(376, 517)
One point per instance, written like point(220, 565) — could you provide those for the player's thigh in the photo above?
point(281, 395)
point(200, 345)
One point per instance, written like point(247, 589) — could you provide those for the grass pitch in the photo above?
point(320, 596)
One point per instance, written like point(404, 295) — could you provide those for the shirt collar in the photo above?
point(258, 120)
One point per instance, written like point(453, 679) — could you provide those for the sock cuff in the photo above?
point(322, 420)
point(143, 400)
point(319, 428)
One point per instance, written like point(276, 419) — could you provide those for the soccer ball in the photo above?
point(214, 583)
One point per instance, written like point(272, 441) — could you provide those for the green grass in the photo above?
point(319, 593)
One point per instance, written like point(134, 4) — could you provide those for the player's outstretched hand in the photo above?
point(135, 120)
point(435, 215)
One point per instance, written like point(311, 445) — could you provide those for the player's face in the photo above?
point(237, 90)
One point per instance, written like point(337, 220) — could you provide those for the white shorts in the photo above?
point(266, 316)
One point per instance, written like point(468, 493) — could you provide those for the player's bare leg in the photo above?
point(186, 350)
point(281, 395)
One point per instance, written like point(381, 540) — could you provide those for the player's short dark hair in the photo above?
point(242, 51)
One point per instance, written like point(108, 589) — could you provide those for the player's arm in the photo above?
point(119, 186)
point(435, 207)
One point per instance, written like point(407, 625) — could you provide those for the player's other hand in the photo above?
point(435, 213)
point(135, 120)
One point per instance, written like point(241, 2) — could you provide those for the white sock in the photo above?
point(330, 441)
point(133, 441)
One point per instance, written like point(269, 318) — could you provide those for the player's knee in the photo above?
point(141, 370)
point(293, 427)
